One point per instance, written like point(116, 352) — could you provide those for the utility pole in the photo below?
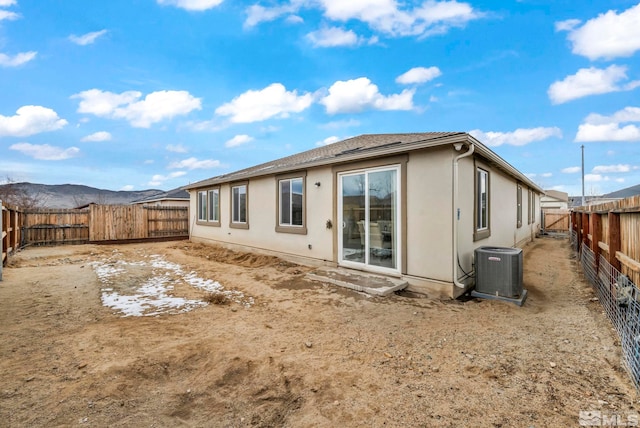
point(582, 147)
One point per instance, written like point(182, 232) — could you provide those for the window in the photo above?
point(209, 207)
point(202, 206)
point(239, 206)
point(291, 203)
point(519, 207)
point(214, 205)
point(482, 204)
point(532, 207)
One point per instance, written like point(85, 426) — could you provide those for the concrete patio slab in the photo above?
point(374, 284)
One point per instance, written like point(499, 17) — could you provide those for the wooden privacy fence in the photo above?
point(101, 223)
point(556, 220)
point(55, 226)
point(126, 222)
point(10, 236)
point(613, 231)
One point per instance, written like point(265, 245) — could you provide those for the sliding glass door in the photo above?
point(369, 211)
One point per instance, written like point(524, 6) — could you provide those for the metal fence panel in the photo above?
point(620, 299)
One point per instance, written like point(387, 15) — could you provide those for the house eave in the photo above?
point(374, 152)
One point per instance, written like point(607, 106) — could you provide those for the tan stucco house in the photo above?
point(413, 206)
point(554, 199)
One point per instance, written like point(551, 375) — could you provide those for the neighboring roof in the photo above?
point(173, 194)
point(625, 193)
point(364, 147)
point(556, 194)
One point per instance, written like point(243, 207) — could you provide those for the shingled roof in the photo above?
point(357, 148)
point(173, 194)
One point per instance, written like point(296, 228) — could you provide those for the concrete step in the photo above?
point(374, 284)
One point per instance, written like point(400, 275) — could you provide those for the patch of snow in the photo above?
point(152, 296)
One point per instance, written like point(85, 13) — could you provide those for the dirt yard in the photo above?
point(181, 334)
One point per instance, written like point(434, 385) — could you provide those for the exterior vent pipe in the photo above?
point(454, 237)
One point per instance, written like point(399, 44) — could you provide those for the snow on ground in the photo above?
point(154, 281)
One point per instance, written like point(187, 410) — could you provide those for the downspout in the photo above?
point(456, 210)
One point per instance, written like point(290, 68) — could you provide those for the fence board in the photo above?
point(55, 226)
point(134, 222)
point(619, 223)
point(10, 232)
point(167, 221)
point(556, 220)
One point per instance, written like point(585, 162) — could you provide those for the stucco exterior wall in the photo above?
point(502, 211)
point(429, 222)
point(427, 204)
point(262, 217)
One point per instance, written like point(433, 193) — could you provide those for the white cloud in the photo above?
point(97, 136)
point(87, 39)
point(590, 81)
point(352, 96)
point(196, 5)
point(7, 3)
point(596, 127)
point(194, 163)
point(419, 75)
point(294, 19)
point(567, 25)
point(546, 174)
point(594, 178)
point(257, 14)
point(45, 151)
point(334, 36)
point(571, 170)
point(9, 16)
point(155, 107)
point(609, 35)
point(607, 132)
point(16, 60)
point(384, 16)
point(327, 141)
point(272, 101)
point(158, 179)
point(127, 188)
point(238, 140)
point(431, 17)
point(519, 137)
point(176, 148)
point(30, 120)
point(605, 169)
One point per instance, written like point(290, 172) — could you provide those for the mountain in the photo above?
point(28, 195)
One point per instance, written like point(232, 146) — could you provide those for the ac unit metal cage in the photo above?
point(499, 272)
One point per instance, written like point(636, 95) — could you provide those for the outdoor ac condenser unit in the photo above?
point(499, 273)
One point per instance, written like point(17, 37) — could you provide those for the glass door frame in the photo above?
point(397, 226)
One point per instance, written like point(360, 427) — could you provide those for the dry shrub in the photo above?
point(215, 298)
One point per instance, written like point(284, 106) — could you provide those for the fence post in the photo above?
point(596, 236)
point(1, 239)
point(585, 228)
point(614, 239)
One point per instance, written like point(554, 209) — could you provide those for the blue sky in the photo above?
point(137, 94)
